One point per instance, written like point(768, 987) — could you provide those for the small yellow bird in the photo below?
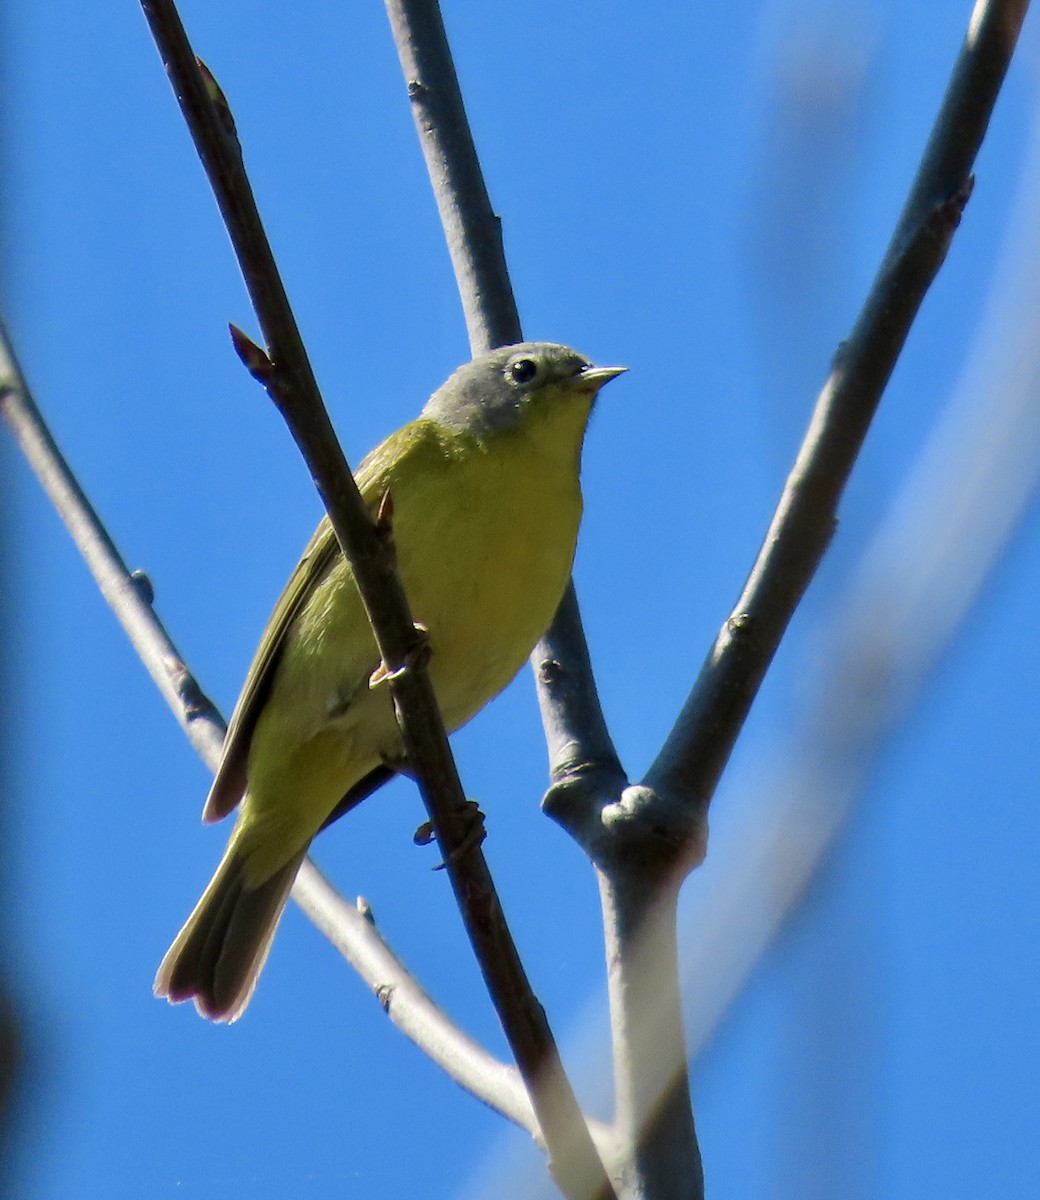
point(486, 507)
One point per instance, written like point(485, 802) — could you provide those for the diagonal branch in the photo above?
point(698, 748)
point(128, 595)
point(286, 373)
point(354, 933)
point(951, 525)
point(408, 1006)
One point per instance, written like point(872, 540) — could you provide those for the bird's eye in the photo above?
point(523, 370)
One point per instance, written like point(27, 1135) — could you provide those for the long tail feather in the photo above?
point(217, 957)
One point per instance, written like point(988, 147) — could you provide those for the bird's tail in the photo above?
point(216, 958)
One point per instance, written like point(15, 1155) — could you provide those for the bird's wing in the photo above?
point(229, 782)
point(373, 477)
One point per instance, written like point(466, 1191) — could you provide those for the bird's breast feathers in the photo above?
point(485, 550)
point(485, 541)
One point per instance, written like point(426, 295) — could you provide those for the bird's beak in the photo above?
point(596, 377)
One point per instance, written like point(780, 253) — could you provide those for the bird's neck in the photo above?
point(554, 436)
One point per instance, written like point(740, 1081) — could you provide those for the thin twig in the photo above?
point(128, 595)
point(286, 373)
point(693, 757)
point(353, 931)
point(904, 605)
point(409, 1007)
point(471, 228)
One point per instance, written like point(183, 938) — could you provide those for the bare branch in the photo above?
point(903, 608)
point(356, 937)
point(290, 382)
point(353, 931)
point(474, 235)
point(693, 757)
point(654, 1114)
point(638, 878)
point(471, 228)
point(128, 595)
point(641, 859)
point(582, 758)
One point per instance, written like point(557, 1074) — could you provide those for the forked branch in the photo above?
point(643, 839)
point(699, 746)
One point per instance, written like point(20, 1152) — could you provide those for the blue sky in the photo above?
point(702, 193)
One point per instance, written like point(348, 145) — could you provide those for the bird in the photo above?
point(486, 502)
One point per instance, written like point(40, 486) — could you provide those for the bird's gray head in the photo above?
point(489, 394)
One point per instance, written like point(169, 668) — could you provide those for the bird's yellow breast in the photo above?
point(485, 531)
point(484, 561)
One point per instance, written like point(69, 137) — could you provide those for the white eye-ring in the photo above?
point(521, 370)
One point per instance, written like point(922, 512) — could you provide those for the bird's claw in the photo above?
point(424, 835)
point(417, 656)
point(474, 835)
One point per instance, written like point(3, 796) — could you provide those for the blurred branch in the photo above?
point(903, 608)
point(700, 744)
point(804, 186)
point(286, 373)
point(767, 870)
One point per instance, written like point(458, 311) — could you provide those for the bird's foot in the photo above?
point(473, 834)
point(418, 655)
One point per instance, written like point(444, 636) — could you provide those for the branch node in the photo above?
point(741, 625)
point(424, 835)
point(256, 361)
point(143, 586)
point(579, 786)
point(473, 833)
point(662, 828)
point(550, 671)
point(219, 101)
point(193, 700)
point(947, 216)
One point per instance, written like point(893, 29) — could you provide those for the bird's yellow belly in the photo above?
point(483, 574)
point(502, 572)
